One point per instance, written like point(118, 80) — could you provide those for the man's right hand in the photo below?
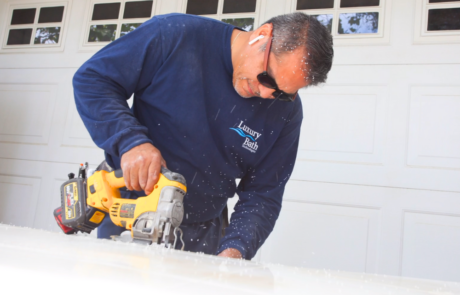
point(141, 167)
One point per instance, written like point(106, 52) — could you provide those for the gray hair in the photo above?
point(299, 29)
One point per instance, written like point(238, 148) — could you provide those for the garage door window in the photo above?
point(110, 20)
point(344, 18)
point(240, 13)
point(33, 27)
point(437, 21)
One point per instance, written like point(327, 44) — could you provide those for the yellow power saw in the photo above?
point(87, 199)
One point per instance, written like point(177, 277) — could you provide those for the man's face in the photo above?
point(288, 70)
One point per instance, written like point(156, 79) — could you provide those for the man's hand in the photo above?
point(141, 167)
point(231, 253)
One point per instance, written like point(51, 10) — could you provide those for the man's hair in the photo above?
point(299, 29)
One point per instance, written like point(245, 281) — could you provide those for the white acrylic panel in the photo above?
point(343, 124)
point(26, 112)
point(18, 199)
point(434, 127)
point(324, 236)
point(431, 246)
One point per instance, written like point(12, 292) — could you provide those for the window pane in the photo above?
point(126, 28)
point(235, 6)
point(325, 20)
point(51, 14)
point(359, 3)
point(358, 23)
point(102, 33)
point(47, 35)
point(246, 24)
point(444, 19)
point(23, 16)
point(19, 36)
point(314, 4)
point(202, 6)
point(106, 11)
point(138, 9)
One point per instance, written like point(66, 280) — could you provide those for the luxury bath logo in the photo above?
point(250, 137)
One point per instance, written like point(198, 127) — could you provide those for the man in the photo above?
point(213, 103)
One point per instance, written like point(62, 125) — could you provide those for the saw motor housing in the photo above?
point(86, 201)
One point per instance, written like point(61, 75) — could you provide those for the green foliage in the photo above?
point(102, 33)
point(126, 28)
point(47, 35)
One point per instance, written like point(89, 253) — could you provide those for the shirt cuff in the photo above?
point(130, 140)
point(235, 244)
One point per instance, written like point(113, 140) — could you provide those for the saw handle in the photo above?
point(116, 179)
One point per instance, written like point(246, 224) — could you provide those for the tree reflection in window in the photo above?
point(102, 33)
point(358, 23)
point(126, 28)
point(325, 20)
point(47, 35)
point(246, 24)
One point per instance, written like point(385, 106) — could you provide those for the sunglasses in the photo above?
point(267, 81)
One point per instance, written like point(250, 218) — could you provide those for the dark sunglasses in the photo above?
point(267, 81)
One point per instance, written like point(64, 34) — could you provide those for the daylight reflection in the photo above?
point(325, 20)
point(358, 23)
point(47, 35)
point(246, 24)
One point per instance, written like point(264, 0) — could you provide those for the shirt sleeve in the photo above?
point(261, 191)
point(105, 82)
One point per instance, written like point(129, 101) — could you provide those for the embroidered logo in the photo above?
point(250, 137)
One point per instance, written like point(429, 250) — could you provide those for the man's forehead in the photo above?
point(291, 71)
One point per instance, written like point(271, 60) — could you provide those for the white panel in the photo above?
point(343, 124)
point(75, 133)
point(26, 112)
point(434, 127)
point(33, 260)
point(431, 245)
point(324, 236)
point(18, 199)
point(339, 123)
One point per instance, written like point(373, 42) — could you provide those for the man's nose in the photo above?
point(265, 92)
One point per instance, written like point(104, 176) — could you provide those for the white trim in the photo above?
point(421, 33)
point(31, 47)
point(379, 38)
point(86, 46)
point(220, 15)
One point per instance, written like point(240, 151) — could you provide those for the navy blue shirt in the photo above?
point(179, 69)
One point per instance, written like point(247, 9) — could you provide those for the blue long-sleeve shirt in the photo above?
point(179, 69)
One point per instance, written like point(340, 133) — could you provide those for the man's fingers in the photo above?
point(143, 175)
point(126, 170)
point(153, 175)
point(134, 175)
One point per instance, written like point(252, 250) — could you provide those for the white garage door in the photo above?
point(376, 187)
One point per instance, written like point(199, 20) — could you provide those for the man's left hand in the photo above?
point(231, 253)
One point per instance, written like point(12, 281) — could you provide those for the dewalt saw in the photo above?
point(87, 199)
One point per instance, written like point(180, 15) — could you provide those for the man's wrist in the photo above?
point(231, 253)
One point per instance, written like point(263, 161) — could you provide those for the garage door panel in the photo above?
point(20, 207)
point(434, 127)
point(26, 112)
point(344, 124)
point(75, 132)
point(324, 236)
point(430, 246)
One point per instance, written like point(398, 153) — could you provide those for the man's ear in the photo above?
point(265, 30)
